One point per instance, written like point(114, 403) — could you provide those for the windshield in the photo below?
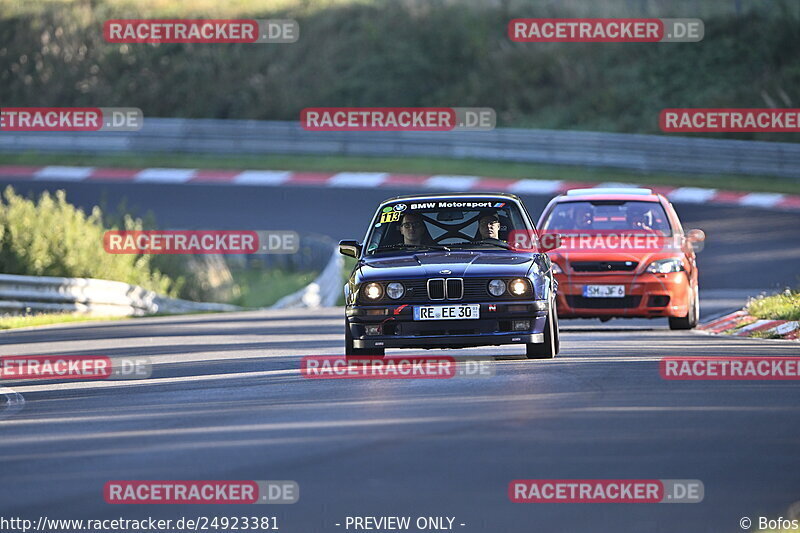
point(609, 216)
point(444, 224)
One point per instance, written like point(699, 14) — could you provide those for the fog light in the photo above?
point(373, 330)
point(520, 325)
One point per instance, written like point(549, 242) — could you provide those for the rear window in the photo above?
point(609, 215)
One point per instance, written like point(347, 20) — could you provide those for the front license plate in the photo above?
point(604, 291)
point(447, 312)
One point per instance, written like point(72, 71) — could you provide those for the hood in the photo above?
point(642, 258)
point(460, 263)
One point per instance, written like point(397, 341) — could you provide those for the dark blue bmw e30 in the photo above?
point(437, 271)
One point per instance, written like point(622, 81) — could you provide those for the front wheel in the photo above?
point(690, 320)
point(551, 345)
point(350, 351)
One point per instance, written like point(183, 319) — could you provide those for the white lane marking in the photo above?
point(84, 385)
point(14, 402)
point(262, 177)
point(63, 173)
point(761, 199)
point(455, 183)
point(270, 426)
point(357, 179)
point(165, 175)
point(536, 186)
point(691, 195)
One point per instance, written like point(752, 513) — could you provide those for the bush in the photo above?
point(51, 237)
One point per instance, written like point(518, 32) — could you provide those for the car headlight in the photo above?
point(497, 287)
point(373, 291)
point(556, 268)
point(395, 290)
point(665, 266)
point(518, 287)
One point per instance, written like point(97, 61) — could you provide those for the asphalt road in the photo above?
point(226, 400)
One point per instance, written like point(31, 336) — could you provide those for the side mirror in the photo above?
point(350, 248)
point(696, 235)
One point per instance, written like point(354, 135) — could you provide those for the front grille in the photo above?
point(436, 289)
point(604, 266)
point(455, 288)
point(603, 303)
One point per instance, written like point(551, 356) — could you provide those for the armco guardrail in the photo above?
point(651, 153)
point(34, 294)
point(324, 291)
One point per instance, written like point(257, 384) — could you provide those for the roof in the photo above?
point(609, 193)
point(449, 196)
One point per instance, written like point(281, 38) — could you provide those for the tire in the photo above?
point(351, 352)
point(690, 320)
point(552, 344)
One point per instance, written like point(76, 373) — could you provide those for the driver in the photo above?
point(413, 229)
point(489, 226)
point(639, 218)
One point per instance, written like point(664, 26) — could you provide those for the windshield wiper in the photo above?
point(403, 246)
point(492, 242)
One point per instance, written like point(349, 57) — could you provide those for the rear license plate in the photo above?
point(604, 291)
point(447, 312)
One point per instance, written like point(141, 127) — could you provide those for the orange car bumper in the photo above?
point(646, 295)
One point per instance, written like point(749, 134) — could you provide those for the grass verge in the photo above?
point(783, 306)
point(412, 165)
point(12, 322)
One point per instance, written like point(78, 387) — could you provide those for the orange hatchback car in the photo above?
point(622, 253)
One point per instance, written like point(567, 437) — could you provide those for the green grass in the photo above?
point(12, 322)
point(783, 306)
point(262, 288)
point(411, 165)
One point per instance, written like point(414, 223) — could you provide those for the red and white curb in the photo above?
point(747, 325)
point(373, 180)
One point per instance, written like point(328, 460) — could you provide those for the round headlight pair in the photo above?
point(374, 291)
point(517, 287)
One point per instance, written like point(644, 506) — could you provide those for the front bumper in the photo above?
point(646, 296)
point(494, 327)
